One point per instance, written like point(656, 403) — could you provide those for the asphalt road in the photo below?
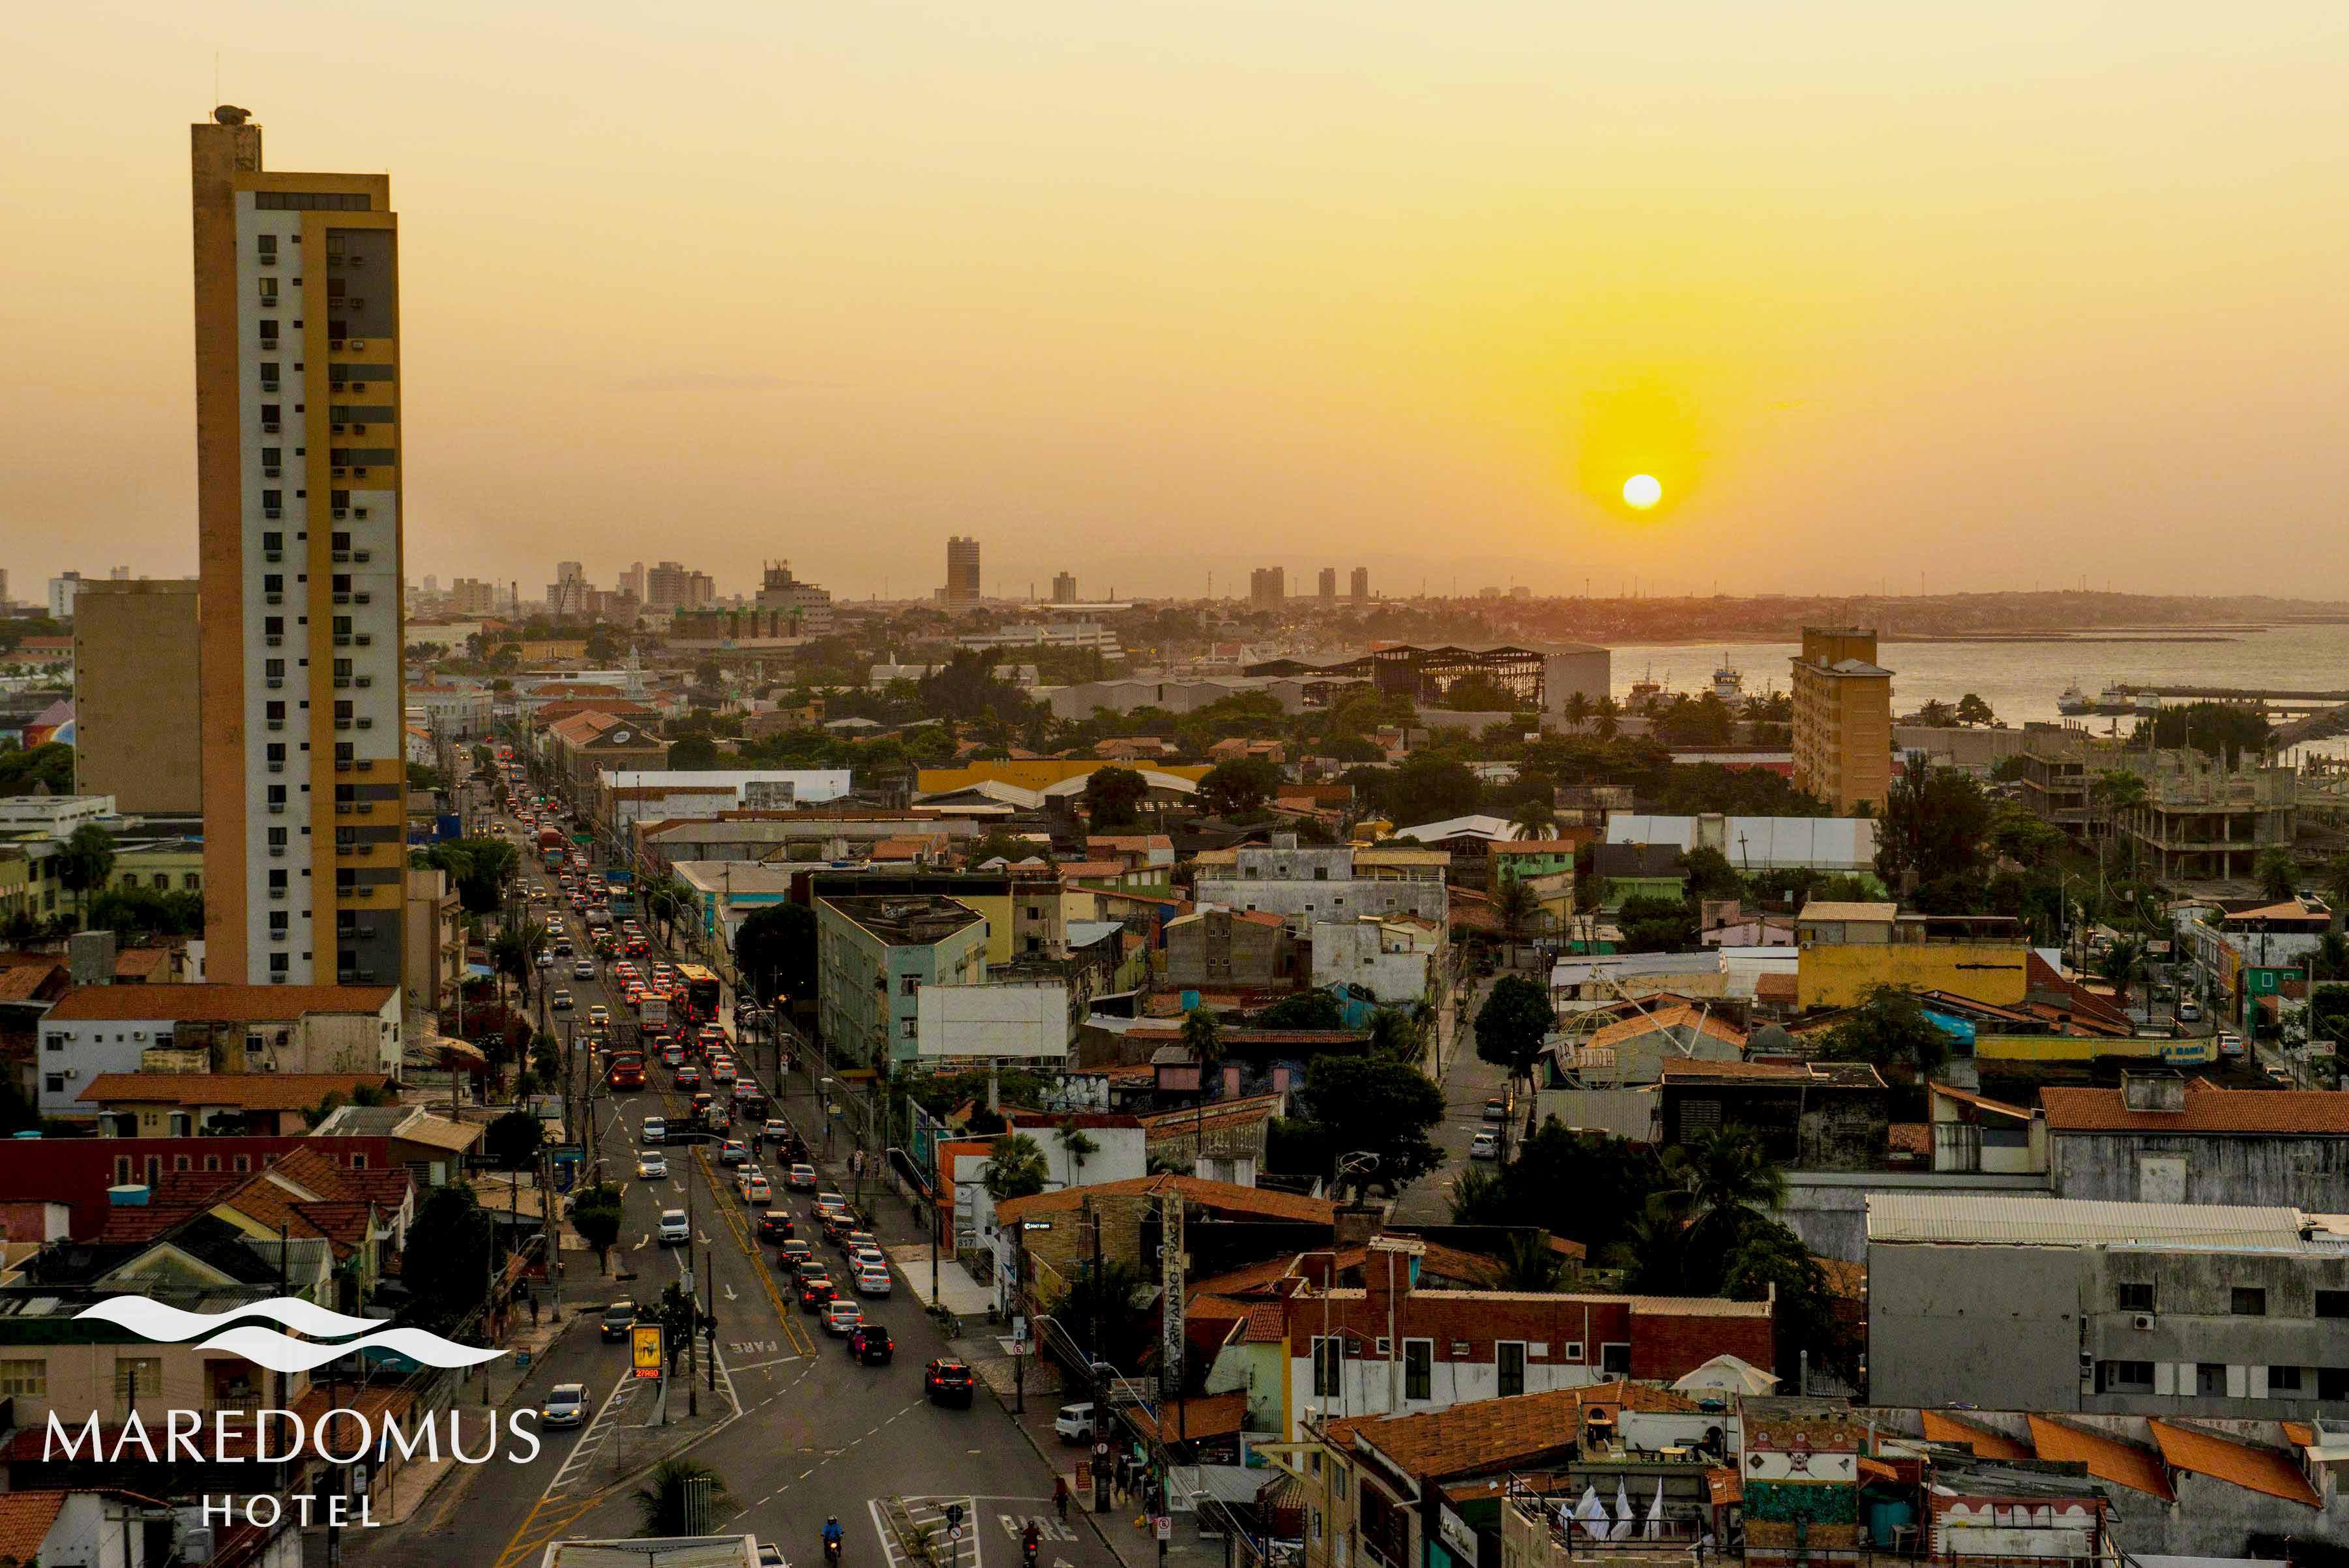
point(801, 1432)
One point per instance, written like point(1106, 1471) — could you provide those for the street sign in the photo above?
point(954, 1532)
point(1162, 1527)
point(954, 1513)
point(645, 1349)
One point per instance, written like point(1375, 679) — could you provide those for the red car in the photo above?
point(947, 1382)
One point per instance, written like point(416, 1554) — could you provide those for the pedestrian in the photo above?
point(1060, 1495)
point(530, 1296)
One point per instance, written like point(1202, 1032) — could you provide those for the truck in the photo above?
point(552, 849)
point(653, 1011)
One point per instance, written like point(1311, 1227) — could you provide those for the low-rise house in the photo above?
point(1980, 956)
point(2163, 1138)
point(225, 1028)
point(1304, 884)
point(1627, 871)
point(430, 1147)
point(1397, 958)
point(1974, 1134)
point(1393, 1347)
point(1633, 1050)
point(1809, 1115)
point(1214, 948)
point(1041, 1243)
point(199, 1105)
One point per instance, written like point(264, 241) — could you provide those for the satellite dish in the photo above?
point(229, 114)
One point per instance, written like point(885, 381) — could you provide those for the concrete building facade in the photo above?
point(1843, 718)
point(137, 703)
point(873, 955)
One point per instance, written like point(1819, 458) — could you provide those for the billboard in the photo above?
point(1021, 1018)
point(645, 1350)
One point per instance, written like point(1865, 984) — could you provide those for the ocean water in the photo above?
point(2021, 681)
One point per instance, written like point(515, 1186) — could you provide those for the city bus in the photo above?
point(700, 988)
point(626, 1072)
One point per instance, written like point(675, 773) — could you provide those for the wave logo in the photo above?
point(280, 1352)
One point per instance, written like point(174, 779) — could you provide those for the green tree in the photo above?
point(692, 753)
point(513, 1140)
point(1933, 826)
point(1203, 1037)
point(1605, 718)
point(595, 1215)
point(1710, 875)
point(1077, 1146)
point(2336, 886)
point(1015, 1168)
point(1765, 1261)
point(2277, 872)
point(85, 862)
point(2121, 963)
point(1304, 1010)
point(1535, 818)
point(1723, 1176)
point(1654, 925)
point(1516, 907)
point(1239, 786)
point(48, 766)
point(1100, 1310)
point(1479, 1197)
point(447, 1262)
point(1889, 1029)
point(1382, 1108)
point(1114, 797)
point(1531, 1263)
point(2226, 730)
point(1973, 710)
point(1429, 787)
point(1511, 1025)
point(1585, 1186)
point(775, 949)
point(481, 868)
point(681, 1498)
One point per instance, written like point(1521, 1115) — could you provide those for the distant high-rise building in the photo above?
point(808, 606)
point(632, 582)
point(299, 475)
point(570, 596)
point(568, 571)
point(1064, 587)
point(962, 570)
point(1843, 718)
point(1267, 587)
point(1361, 585)
point(1329, 584)
point(470, 595)
point(138, 731)
point(671, 586)
point(432, 582)
point(62, 589)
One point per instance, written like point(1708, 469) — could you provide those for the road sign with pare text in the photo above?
point(645, 1349)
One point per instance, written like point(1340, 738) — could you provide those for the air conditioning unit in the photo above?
point(342, 598)
point(360, 471)
point(366, 640)
point(335, 386)
point(362, 599)
point(335, 345)
point(358, 342)
point(274, 641)
point(273, 511)
point(342, 683)
point(272, 598)
point(277, 852)
point(270, 472)
point(276, 723)
point(342, 557)
point(269, 427)
point(367, 680)
point(277, 767)
point(341, 513)
point(361, 556)
point(273, 556)
point(268, 258)
point(339, 430)
point(277, 808)
point(366, 723)
point(268, 386)
point(342, 808)
point(2143, 1320)
point(358, 511)
point(359, 385)
point(356, 261)
point(276, 682)
point(340, 472)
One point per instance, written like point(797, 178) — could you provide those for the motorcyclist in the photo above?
point(1030, 1540)
point(832, 1539)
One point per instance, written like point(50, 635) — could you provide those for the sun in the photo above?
point(1641, 491)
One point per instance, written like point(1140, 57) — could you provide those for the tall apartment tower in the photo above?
point(1329, 586)
point(1361, 586)
point(1843, 718)
point(298, 382)
point(1267, 587)
point(1064, 587)
point(962, 570)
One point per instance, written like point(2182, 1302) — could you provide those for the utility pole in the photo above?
point(710, 1317)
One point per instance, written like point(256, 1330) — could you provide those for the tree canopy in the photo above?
point(1516, 1019)
point(1015, 1168)
point(1380, 1106)
point(1114, 797)
point(1239, 786)
point(775, 952)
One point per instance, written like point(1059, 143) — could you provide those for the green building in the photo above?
point(875, 953)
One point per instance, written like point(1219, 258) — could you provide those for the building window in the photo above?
point(2129, 1297)
point(53, 1083)
point(2124, 1378)
point(25, 1378)
point(1615, 1359)
point(2333, 1383)
point(55, 1042)
point(909, 985)
point(2283, 1380)
point(1509, 1355)
point(2210, 1379)
point(281, 963)
point(1329, 1361)
point(1418, 1368)
point(2332, 1304)
point(2250, 1301)
point(137, 1377)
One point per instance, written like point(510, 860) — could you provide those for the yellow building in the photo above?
point(1842, 975)
point(299, 383)
point(167, 866)
point(1843, 718)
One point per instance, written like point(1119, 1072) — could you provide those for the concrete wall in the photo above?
point(1828, 1209)
point(137, 719)
point(1625, 1113)
point(1994, 1326)
point(1842, 976)
point(1351, 952)
point(1303, 903)
point(2143, 1168)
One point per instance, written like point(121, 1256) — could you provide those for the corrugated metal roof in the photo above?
point(2074, 1222)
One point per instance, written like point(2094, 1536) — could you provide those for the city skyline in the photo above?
point(1594, 248)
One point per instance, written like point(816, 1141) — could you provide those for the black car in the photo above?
point(618, 1318)
point(816, 1293)
point(947, 1382)
point(871, 1346)
point(775, 1225)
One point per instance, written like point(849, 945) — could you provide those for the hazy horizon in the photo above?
point(1150, 291)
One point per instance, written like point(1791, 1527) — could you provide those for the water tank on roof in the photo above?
point(130, 1195)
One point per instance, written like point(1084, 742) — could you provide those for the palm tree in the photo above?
point(1076, 1143)
point(2277, 872)
point(1723, 1176)
point(2121, 963)
point(1576, 711)
point(1534, 819)
point(1532, 1264)
point(1015, 1168)
point(1099, 1311)
point(1479, 1198)
point(1514, 906)
point(682, 1497)
point(1607, 711)
point(1203, 1036)
point(2336, 886)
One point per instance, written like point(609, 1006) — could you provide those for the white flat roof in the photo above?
point(1921, 1216)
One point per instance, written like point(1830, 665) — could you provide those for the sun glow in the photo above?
point(1643, 491)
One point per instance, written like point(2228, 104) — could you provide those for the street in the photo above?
point(797, 1431)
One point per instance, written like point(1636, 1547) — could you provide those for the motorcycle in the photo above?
point(832, 1553)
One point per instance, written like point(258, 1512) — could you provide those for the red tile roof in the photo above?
point(246, 1091)
point(224, 1004)
point(25, 1517)
point(2267, 1471)
point(1490, 1432)
point(2217, 1112)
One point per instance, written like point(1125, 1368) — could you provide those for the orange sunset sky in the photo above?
point(2003, 294)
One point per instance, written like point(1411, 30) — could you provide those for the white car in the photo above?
point(653, 1168)
point(1484, 1146)
point(565, 1405)
point(871, 1279)
point(675, 1231)
point(2189, 1012)
point(656, 1129)
point(584, 970)
point(1074, 1424)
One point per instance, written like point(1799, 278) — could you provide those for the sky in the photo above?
point(1993, 296)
